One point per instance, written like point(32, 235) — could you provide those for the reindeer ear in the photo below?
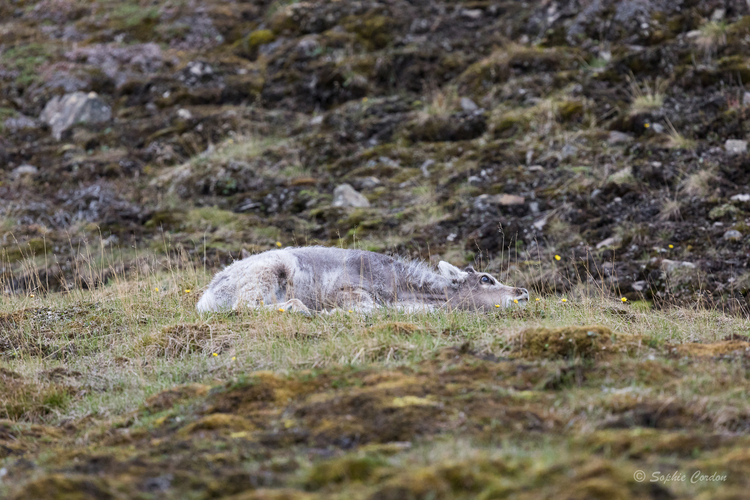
point(451, 272)
point(469, 269)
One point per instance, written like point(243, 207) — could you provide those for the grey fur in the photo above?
point(322, 279)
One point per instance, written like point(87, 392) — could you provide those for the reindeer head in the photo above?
point(477, 290)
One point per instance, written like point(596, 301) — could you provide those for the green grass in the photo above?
point(25, 60)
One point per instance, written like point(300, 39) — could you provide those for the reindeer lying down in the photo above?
point(324, 279)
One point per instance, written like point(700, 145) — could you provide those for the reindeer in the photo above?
point(321, 279)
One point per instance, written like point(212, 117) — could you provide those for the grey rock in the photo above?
point(658, 128)
point(370, 182)
point(468, 105)
point(612, 241)
point(567, 151)
point(732, 235)
point(24, 170)
point(427, 164)
point(346, 196)
point(639, 286)
point(746, 99)
point(62, 113)
point(20, 122)
point(735, 146)
point(741, 197)
point(471, 13)
point(485, 201)
point(616, 137)
point(672, 265)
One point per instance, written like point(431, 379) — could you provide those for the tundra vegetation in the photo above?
point(594, 153)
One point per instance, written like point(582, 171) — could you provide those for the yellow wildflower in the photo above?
point(281, 310)
point(278, 244)
point(515, 300)
point(646, 125)
point(156, 289)
point(538, 299)
point(216, 354)
point(671, 246)
point(624, 299)
point(557, 257)
point(564, 300)
point(187, 290)
point(497, 305)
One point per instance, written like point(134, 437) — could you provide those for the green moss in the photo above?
point(248, 46)
point(260, 37)
point(570, 110)
point(168, 219)
point(344, 469)
point(722, 211)
point(374, 31)
point(554, 343)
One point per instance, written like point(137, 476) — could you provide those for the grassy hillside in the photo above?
point(126, 392)
point(592, 152)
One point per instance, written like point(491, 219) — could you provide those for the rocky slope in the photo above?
point(611, 134)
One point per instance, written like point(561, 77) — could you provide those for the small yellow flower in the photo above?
point(646, 125)
point(624, 299)
point(497, 305)
point(278, 244)
point(215, 354)
point(156, 289)
point(281, 310)
point(671, 246)
point(564, 300)
point(351, 311)
point(233, 358)
point(557, 257)
point(515, 300)
point(31, 295)
point(187, 290)
point(364, 99)
point(538, 299)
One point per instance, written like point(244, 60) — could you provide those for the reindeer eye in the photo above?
point(486, 279)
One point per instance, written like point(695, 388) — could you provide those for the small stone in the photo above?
point(735, 146)
point(616, 137)
point(474, 180)
point(741, 197)
point(639, 286)
point(567, 151)
point(184, 114)
point(468, 105)
point(732, 235)
point(746, 99)
point(671, 265)
point(62, 113)
point(24, 170)
point(427, 164)
point(370, 182)
point(658, 128)
point(20, 122)
point(612, 241)
point(510, 199)
point(316, 120)
point(346, 196)
point(471, 13)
